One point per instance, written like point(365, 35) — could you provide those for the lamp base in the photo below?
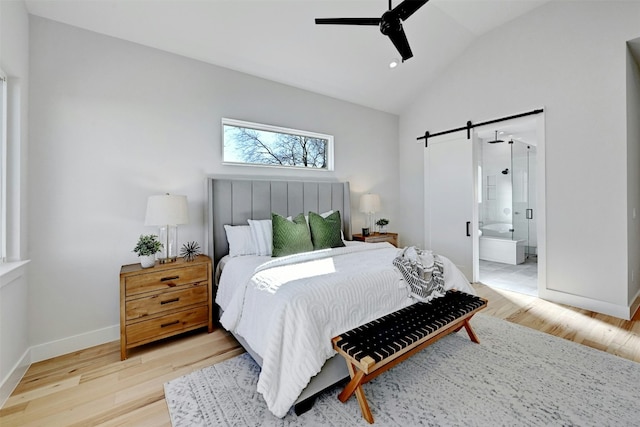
point(169, 238)
point(371, 222)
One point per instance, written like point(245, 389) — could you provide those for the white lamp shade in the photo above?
point(166, 210)
point(369, 203)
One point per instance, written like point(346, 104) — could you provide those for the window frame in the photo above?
point(282, 130)
point(3, 165)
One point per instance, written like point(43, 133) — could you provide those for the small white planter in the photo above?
point(147, 261)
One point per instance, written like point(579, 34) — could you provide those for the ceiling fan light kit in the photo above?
point(390, 24)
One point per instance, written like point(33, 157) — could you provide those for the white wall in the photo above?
point(14, 321)
point(633, 170)
point(113, 122)
point(568, 57)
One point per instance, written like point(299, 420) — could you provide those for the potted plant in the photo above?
point(146, 248)
point(382, 225)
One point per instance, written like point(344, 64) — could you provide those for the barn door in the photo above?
point(451, 214)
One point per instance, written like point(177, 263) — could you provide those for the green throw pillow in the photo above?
point(325, 232)
point(290, 237)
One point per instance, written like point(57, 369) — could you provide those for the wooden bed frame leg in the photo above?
point(472, 335)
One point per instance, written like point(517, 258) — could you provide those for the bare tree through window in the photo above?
point(256, 144)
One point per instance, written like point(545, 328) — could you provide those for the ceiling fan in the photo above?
point(390, 24)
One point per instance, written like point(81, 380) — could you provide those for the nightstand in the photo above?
point(164, 300)
point(377, 238)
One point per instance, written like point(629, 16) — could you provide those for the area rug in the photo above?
point(515, 377)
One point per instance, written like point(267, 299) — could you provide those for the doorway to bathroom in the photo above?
point(507, 209)
point(462, 179)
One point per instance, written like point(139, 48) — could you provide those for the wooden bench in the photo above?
point(379, 345)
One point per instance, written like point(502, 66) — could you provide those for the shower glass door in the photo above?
point(521, 207)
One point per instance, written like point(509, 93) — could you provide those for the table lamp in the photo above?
point(370, 204)
point(167, 212)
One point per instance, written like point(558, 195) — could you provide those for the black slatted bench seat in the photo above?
point(377, 346)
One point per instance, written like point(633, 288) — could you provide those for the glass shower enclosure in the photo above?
point(523, 190)
point(506, 193)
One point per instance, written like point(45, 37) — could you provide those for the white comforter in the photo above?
point(292, 306)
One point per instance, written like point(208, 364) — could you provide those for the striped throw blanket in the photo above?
point(423, 272)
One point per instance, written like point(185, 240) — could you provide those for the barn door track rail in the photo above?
point(471, 125)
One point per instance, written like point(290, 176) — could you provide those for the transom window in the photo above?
point(265, 145)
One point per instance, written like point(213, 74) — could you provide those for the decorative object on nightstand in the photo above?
point(382, 225)
point(146, 248)
point(167, 211)
point(164, 301)
point(370, 204)
point(190, 251)
point(377, 238)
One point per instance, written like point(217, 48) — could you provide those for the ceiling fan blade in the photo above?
point(408, 7)
point(399, 40)
point(348, 21)
point(390, 24)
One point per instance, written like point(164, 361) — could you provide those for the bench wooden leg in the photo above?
point(364, 406)
point(350, 388)
point(355, 386)
point(467, 326)
point(472, 335)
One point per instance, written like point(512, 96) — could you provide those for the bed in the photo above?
point(285, 310)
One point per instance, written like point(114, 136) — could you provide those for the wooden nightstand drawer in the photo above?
point(169, 278)
point(378, 237)
point(153, 329)
point(160, 302)
point(382, 238)
point(164, 300)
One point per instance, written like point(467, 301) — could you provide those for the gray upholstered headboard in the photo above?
point(234, 200)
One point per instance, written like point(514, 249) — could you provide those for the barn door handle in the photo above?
point(468, 232)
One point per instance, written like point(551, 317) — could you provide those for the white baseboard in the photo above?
point(634, 305)
point(53, 349)
point(11, 381)
point(615, 310)
point(74, 343)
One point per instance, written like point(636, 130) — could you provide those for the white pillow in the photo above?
point(240, 240)
point(262, 233)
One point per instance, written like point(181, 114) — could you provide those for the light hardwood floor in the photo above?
point(93, 387)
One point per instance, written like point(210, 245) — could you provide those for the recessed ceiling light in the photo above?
point(394, 63)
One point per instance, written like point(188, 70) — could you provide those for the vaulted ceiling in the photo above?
point(278, 39)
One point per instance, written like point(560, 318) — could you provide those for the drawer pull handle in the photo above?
point(164, 279)
point(169, 301)
point(175, 322)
